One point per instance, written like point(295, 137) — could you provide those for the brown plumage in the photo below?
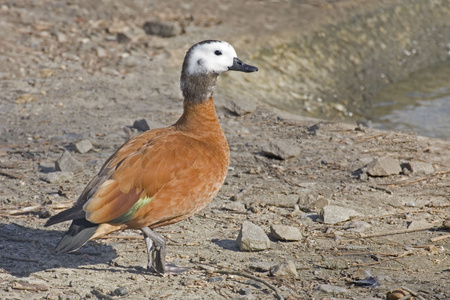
point(164, 175)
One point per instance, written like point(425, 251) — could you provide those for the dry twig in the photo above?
point(272, 287)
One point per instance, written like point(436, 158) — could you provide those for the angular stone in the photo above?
point(280, 149)
point(332, 214)
point(358, 226)
point(67, 163)
point(252, 238)
point(235, 206)
point(83, 146)
point(310, 202)
point(285, 233)
point(383, 166)
point(163, 29)
point(418, 225)
point(141, 125)
point(240, 108)
point(446, 223)
point(284, 269)
point(418, 167)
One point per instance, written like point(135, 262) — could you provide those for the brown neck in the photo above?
point(200, 118)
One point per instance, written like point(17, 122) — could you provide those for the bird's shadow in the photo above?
point(24, 251)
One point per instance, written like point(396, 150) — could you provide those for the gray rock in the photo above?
point(284, 269)
point(83, 146)
point(120, 291)
point(67, 163)
point(332, 214)
point(358, 226)
point(418, 224)
point(235, 206)
point(419, 167)
point(331, 289)
point(163, 29)
point(310, 202)
point(383, 166)
point(61, 37)
point(280, 149)
point(240, 108)
point(252, 238)
point(57, 177)
point(141, 125)
point(285, 233)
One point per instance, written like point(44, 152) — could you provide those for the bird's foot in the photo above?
point(169, 269)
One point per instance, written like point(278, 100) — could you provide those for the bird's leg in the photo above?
point(156, 249)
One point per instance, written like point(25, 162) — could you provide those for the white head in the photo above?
point(213, 57)
point(203, 63)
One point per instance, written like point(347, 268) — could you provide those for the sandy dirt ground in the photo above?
point(79, 71)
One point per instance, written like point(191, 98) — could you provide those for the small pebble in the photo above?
point(285, 233)
point(141, 125)
point(284, 269)
point(332, 214)
point(67, 163)
point(120, 291)
point(383, 166)
point(83, 146)
point(252, 238)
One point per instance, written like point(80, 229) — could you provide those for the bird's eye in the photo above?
point(218, 52)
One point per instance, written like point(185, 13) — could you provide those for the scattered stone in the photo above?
point(446, 223)
point(141, 125)
point(83, 146)
point(120, 291)
point(285, 233)
point(252, 238)
point(240, 108)
point(362, 274)
point(235, 206)
point(61, 37)
point(332, 214)
point(122, 38)
point(419, 167)
point(331, 289)
point(284, 269)
point(245, 291)
point(101, 52)
point(418, 225)
point(383, 166)
point(309, 202)
point(67, 163)
point(280, 149)
point(215, 279)
point(358, 226)
point(163, 29)
point(57, 177)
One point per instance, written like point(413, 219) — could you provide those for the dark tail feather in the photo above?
point(80, 231)
point(73, 213)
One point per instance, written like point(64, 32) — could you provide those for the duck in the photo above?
point(161, 176)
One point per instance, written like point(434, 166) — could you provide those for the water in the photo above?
point(420, 103)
